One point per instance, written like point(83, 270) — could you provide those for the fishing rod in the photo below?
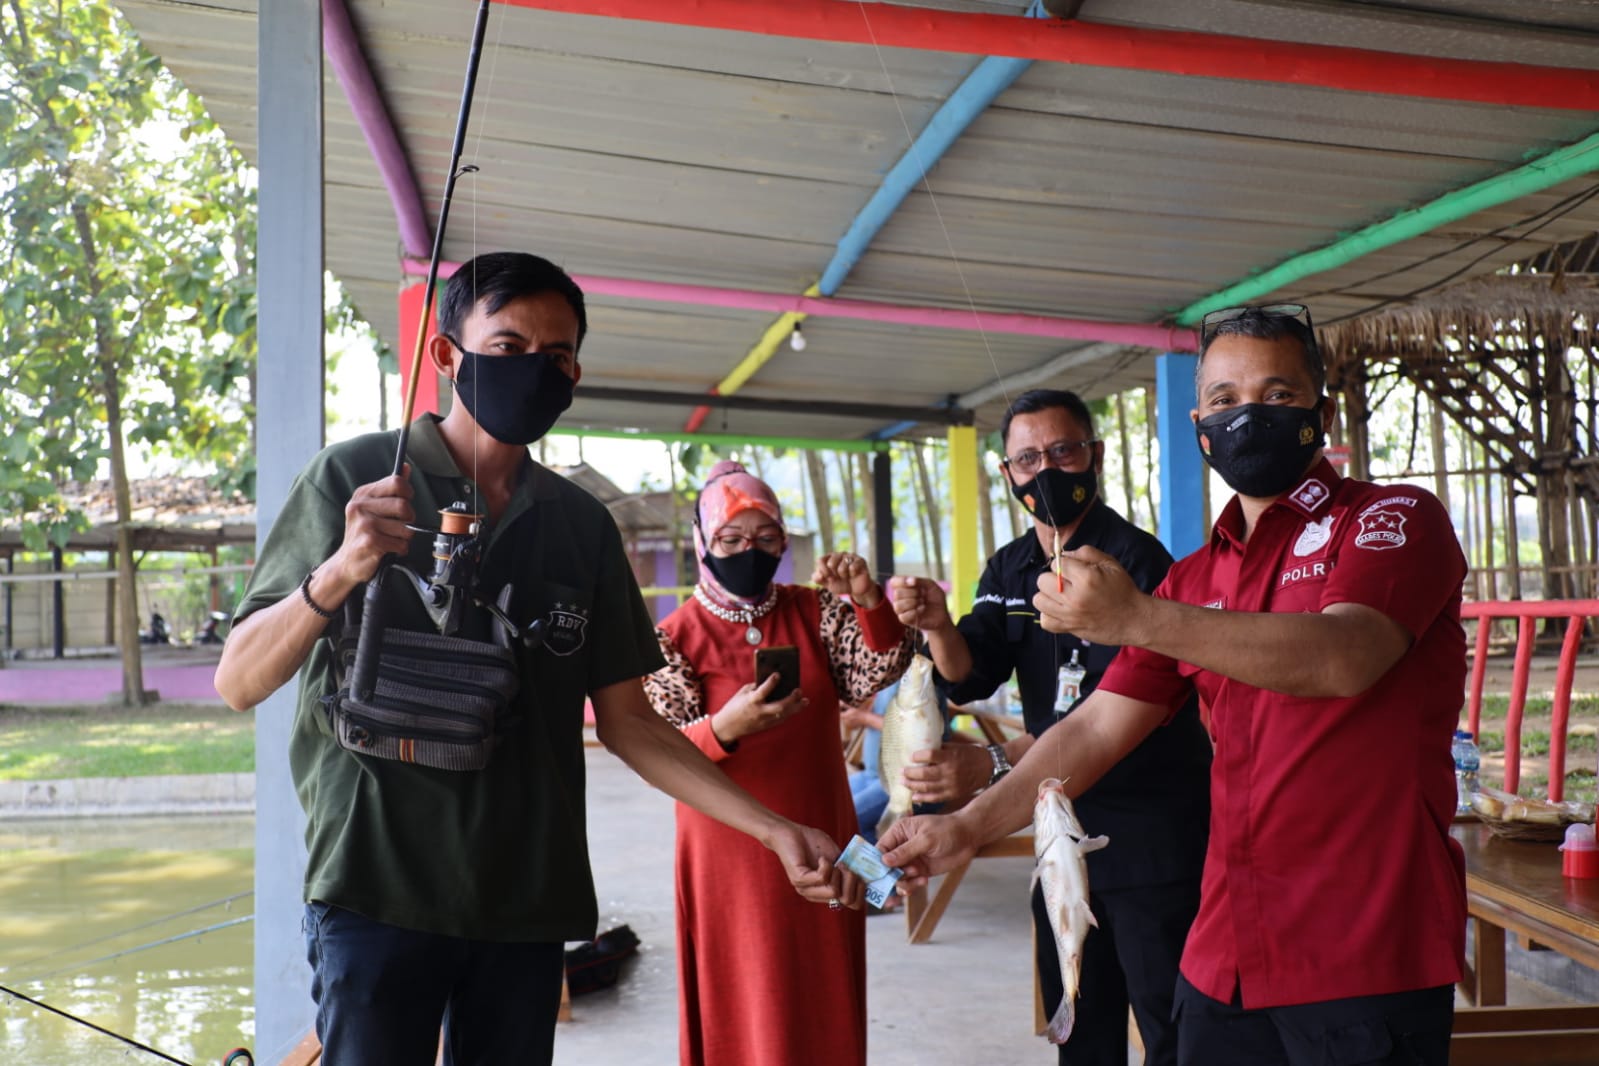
point(97, 1028)
point(457, 535)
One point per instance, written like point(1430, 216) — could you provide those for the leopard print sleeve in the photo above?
point(859, 672)
point(674, 690)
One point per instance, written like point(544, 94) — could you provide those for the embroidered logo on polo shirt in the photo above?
point(1310, 495)
point(1314, 537)
point(1217, 605)
point(568, 628)
point(1380, 530)
point(1295, 574)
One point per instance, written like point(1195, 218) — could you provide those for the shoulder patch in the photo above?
point(1381, 528)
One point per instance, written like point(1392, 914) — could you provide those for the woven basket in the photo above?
point(1536, 832)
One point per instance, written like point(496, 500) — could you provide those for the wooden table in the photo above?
point(1517, 886)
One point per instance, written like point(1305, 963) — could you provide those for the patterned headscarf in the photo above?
point(730, 490)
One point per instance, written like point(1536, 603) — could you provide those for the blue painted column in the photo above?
point(1182, 469)
point(289, 392)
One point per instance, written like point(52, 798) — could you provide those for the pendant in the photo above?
point(752, 635)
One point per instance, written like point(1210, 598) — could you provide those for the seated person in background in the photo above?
point(865, 785)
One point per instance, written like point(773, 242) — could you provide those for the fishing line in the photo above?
point(175, 938)
point(90, 1025)
point(124, 932)
point(477, 153)
point(960, 272)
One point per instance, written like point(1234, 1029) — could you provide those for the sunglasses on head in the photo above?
point(1211, 324)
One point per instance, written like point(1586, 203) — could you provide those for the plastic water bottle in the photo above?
point(1467, 762)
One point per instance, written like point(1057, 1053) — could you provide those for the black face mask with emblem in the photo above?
point(745, 574)
point(1057, 497)
point(1261, 449)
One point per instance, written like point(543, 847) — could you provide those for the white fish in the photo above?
point(1059, 844)
point(912, 723)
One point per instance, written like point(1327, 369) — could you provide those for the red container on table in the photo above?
point(1580, 852)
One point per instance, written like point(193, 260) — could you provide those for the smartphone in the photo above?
point(782, 660)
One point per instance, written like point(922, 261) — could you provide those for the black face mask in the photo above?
point(745, 574)
point(515, 398)
point(1261, 449)
point(1057, 497)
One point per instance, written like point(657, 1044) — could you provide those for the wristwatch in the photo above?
point(1001, 762)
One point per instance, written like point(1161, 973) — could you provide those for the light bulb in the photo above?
point(796, 340)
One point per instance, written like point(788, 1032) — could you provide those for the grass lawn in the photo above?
point(102, 740)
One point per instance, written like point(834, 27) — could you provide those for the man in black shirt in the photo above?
point(1154, 805)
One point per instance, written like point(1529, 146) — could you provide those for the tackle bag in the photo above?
point(438, 701)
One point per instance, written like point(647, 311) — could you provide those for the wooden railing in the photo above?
point(1528, 613)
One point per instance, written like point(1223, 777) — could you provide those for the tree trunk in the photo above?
point(1127, 458)
point(1151, 416)
point(127, 590)
point(677, 520)
point(1355, 418)
point(985, 508)
point(934, 520)
point(824, 507)
point(1440, 453)
point(868, 498)
point(853, 516)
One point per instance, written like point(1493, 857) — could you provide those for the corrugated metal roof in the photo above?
point(676, 154)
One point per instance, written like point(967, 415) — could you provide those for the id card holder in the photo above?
point(1069, 685)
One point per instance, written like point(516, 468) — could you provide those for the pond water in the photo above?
point(141, 926)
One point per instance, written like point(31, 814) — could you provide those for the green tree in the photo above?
point(127, 226)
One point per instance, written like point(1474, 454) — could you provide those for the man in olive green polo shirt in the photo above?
point(444, 896)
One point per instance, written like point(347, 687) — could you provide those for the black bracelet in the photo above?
point(305, 594)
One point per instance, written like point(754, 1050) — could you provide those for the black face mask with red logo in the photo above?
point(1057, 497)
point(1261, 449)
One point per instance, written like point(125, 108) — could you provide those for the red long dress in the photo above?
point(767, 978)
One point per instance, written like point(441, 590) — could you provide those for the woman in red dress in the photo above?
point(766, 978)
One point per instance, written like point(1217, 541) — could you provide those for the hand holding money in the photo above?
point(866, 863)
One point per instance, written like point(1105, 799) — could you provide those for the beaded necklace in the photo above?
point(746, 615)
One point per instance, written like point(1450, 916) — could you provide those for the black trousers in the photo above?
point(1400, 1029)
point(1129, 961)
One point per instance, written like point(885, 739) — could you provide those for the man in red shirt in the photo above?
point(1321, 625)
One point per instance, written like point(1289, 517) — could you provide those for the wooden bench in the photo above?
point(1517, 886)
point(922, 917)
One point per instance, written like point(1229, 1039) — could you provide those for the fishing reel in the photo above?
point(453, 585)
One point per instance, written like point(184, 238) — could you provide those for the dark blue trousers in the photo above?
point(383, 993)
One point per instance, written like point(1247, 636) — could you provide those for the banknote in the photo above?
point(866, 862)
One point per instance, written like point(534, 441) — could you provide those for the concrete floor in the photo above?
point(966, 997)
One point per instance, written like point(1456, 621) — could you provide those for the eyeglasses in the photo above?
point(732, 543)
point(1211, 324)
point(1061, 453)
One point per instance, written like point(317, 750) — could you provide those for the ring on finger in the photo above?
point(834, 905)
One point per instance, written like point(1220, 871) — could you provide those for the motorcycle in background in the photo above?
point(210, 632)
